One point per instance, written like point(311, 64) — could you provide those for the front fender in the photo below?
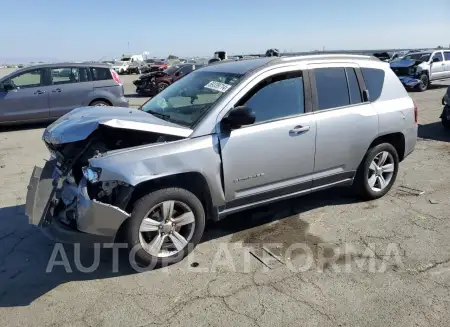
point(146, 163)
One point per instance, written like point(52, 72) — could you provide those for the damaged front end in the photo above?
point(148, 84)
point(408, 71)
point(66, 198)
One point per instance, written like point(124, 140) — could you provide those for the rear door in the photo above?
point(28, 101)
point(345, 124)
point(71, 87)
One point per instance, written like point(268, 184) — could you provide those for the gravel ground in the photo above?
point(379, 263)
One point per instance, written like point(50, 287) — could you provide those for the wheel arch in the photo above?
point(192, 181)
point(100, 99)
point(396, 139)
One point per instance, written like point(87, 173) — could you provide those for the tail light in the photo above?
point(416, 113)
point(115, 76)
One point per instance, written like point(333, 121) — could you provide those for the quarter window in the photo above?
point(27, 80)
point(101, 74)
point(332, 90)
point(277, 98)
point(374, 79)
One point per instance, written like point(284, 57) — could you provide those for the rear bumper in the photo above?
point(96, 222)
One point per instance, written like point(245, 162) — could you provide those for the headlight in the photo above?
point(92, 174)
point(412, 71)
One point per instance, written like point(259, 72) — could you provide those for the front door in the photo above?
point(437, 67)
point(29, 100)
point(274, 157)
point(345, 124)
point(71, 87)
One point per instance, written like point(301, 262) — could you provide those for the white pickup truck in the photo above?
point(129, 65)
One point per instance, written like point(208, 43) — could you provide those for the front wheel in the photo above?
point(424, 83)
point(377, 172)
point(165, 226)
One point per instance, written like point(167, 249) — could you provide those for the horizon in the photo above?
point(193, 29)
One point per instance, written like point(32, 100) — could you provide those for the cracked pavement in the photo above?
point(378, 263)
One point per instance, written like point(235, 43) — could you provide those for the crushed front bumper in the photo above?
point(96, 222)
point(409, 81)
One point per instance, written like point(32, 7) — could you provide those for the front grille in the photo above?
point(401, 71)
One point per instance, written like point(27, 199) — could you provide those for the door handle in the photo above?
point(39, 92)
point(57, 90)
point(299, 129)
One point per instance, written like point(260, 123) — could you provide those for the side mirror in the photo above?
point(7, 86)
point(238, 117)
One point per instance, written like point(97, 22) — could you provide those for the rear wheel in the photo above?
point(100, 103)
point(165, 226)
point(377, 172)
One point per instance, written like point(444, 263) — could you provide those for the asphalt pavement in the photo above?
point(325, 259)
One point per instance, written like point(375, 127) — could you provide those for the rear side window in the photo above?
point(447, 55)
point(332, 90)
point(374, 79)
point(353, 86)
point(101, 74)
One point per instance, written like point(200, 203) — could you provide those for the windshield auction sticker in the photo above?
point(217, 86)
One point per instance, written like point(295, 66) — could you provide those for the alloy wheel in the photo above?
point(167, 228)
point(381, 170)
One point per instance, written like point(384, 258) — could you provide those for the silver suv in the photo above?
point(225, 138)
point(46, 92)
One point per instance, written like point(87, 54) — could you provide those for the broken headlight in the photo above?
point(412, 71)
point(91, 174)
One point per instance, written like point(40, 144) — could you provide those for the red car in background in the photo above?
point(154, 82)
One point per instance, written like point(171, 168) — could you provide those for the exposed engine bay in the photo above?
point(70, 159)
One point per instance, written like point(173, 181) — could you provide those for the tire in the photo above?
point(162, 86)
point(137, 238)
point(445, 122)
point(100, 103)
point(423, 86)
point(365, 172)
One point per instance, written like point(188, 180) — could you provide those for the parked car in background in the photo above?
point(419, 69)
point(445, 116)
point(159, 66)
point(129, 65)
point(153, 83)
point(223, 139)
point(46, 92)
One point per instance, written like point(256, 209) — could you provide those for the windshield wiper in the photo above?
point(158, 114)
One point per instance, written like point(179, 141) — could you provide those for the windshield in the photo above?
point(125, 59)
point(187, 100)
point(424, 56)
point(171, 70)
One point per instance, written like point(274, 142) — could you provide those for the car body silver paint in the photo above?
point(78, 124)
point(330, 151)
point(144, 163)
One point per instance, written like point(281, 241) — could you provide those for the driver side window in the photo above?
point(277, 97)
point(29, 79)
point(437, 55)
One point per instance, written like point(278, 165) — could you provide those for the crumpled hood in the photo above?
point(404, 63)
point(78, 124)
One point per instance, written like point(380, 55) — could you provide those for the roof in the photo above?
point(247, 65)
point(68, 64)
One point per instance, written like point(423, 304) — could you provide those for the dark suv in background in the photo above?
point(46, 92)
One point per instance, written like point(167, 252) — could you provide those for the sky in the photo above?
point(101, 29)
